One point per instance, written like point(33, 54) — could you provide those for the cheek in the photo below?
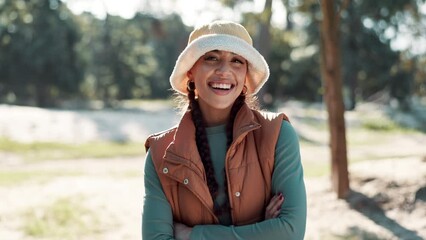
point(242, 76)
point(200, 72)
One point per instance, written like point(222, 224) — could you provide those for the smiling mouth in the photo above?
point(221, 86)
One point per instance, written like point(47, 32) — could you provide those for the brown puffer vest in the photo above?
point(249, 166)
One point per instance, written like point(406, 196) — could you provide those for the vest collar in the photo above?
point(183, 148)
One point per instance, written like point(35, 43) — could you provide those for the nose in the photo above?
point(223, 68)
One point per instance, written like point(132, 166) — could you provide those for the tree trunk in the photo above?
point(331, 73)
point(263, 44)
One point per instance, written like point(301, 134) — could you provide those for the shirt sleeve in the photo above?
point(287, 178)
point(157, 218)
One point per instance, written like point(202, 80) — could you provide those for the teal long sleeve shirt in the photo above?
point(287, 178)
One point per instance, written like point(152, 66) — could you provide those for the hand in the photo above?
point(181, 231)
point(274, 207)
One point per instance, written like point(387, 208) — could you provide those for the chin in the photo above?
point(223, 106)
point(218, 103)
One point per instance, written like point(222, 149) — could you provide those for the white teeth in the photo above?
point(225, 86)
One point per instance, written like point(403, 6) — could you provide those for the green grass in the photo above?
point(10, 178)
point(383, 124)
point(316, 123)
point(37, 151)
point(65, 218)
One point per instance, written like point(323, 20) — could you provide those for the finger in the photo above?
point(271, 203)
point(276, 203)
point(274, 207)
point(273, 213)
point(276, 213)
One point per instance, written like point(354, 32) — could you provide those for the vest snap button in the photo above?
point(165, 170)
point(237, 194)
point(185, 181)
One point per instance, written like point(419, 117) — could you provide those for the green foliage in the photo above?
point(170, 37)
point(369, 63)
point(38, 60)
point(294, 67)
point(384, 20)
point(65, 218)
point(129, 59)
point(49, 55)
point(420, 76)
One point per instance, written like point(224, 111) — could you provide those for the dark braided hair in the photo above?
point(201, 140)
point(203, 145)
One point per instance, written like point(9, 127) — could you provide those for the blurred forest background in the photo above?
point(80, 92)
point(50, 55)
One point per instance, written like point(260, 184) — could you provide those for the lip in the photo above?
point(219, 87)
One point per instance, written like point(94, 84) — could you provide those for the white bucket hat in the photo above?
point(225, 36)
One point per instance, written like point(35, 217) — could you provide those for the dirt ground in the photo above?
point(387, 200)
point(381, 206)
point(388, 205)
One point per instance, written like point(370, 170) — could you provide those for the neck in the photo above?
point(214, 117)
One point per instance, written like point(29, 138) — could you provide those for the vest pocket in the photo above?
point(190, 208)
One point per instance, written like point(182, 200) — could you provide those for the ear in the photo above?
point(189, 74)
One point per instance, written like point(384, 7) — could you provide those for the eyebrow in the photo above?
point(217, 51)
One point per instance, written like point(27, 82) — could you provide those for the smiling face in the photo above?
point(219, 78)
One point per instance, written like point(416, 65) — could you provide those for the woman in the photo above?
point(222, 172)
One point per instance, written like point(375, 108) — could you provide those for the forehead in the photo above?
point(222, 52)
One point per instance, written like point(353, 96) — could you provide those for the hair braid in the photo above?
point(203, 144)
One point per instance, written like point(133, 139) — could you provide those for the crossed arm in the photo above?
point(183, 232)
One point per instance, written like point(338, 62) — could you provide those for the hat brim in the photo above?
point(258, 70)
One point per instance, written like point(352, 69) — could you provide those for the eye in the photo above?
point(210, 57)
point(238, 60)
